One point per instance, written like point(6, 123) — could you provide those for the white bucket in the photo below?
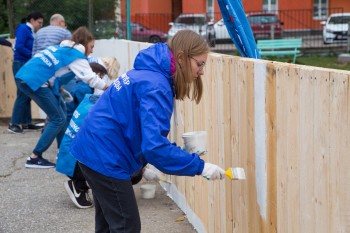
point(195, 142)
point(148, 191)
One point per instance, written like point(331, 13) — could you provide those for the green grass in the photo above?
point(314, 60)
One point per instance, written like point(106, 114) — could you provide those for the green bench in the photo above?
point(280, 47)
point(5, 36)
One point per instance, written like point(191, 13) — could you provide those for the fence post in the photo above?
point(348, 37)
point(272, 32)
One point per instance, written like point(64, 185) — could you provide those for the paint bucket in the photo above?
point(148, 191)
point(195, 142)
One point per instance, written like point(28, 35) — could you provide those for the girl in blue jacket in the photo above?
point(39, 79)
point(128, 128)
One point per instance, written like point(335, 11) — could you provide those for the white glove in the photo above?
point(213, 172)
point(150, 175)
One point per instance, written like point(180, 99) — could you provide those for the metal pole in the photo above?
point(91, 15)
point(272, 32)
point(11, 18)
point(128, 26)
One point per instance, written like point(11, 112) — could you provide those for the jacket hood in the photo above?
point(155, 58)
point(69, 43)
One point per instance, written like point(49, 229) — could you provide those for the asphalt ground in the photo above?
point(34, 200)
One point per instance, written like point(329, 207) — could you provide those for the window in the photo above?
point(320, 9)
point(270, 5)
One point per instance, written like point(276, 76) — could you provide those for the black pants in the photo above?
point(116, 208)
point(79, 179)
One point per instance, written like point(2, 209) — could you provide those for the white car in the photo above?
point(199, 23)
point(221, 33)
point(336, 28)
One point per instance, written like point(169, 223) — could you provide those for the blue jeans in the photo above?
point(21, 113)
point(54, 109)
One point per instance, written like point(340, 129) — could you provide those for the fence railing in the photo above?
point(295, 23)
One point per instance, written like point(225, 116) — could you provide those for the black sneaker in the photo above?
point(39, 163)
point(13, 128)
point(80, 198)
point(32, 126)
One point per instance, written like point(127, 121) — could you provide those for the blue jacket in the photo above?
point(43, 65)
point(24, 43)
point(78, 89)
point(128, 127)
point(65, 162)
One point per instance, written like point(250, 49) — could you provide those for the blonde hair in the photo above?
point(112, 66)
point(184, 45)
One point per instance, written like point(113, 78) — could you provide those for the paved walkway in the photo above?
point(35, 201)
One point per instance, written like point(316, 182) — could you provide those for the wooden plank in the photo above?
point(7, 84)
point(179, 181)
point(222, 114)
point(292, 137)
point(206, 106)
point(307, 179)
point(235, 188)
point(212, 140)
point(248, 141)
point(214, 132)
point(246, 220)
point(270, 224)
point(339, 212)
point(345, 161)
point(281, 160)
point(189, 181)
point(226, 200)
point(321, 149)
point(345, 148)
point(200, 184)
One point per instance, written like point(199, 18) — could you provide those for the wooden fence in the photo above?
point(286, 125)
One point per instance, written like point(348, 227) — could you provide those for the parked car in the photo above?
point(221, 33)
point(264, 25)
point(140, 33)
point(199, 23)
point(335, 28)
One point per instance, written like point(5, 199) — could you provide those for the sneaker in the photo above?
point(38, 163)
point(15, 128)
point(32, 126)
point(81, 199)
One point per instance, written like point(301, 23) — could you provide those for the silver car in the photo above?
point(199, 23)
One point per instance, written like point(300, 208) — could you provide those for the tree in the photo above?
point(75, 12)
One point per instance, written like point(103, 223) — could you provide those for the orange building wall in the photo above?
point(139, 10)
point(295, 5)
point(194, 6)
point(146, 7)
point(297, 14)
point(345, 4)
point(250, 5)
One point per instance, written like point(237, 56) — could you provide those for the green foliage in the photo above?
point(323, 61)
point(76, 12)
point(3, 18)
